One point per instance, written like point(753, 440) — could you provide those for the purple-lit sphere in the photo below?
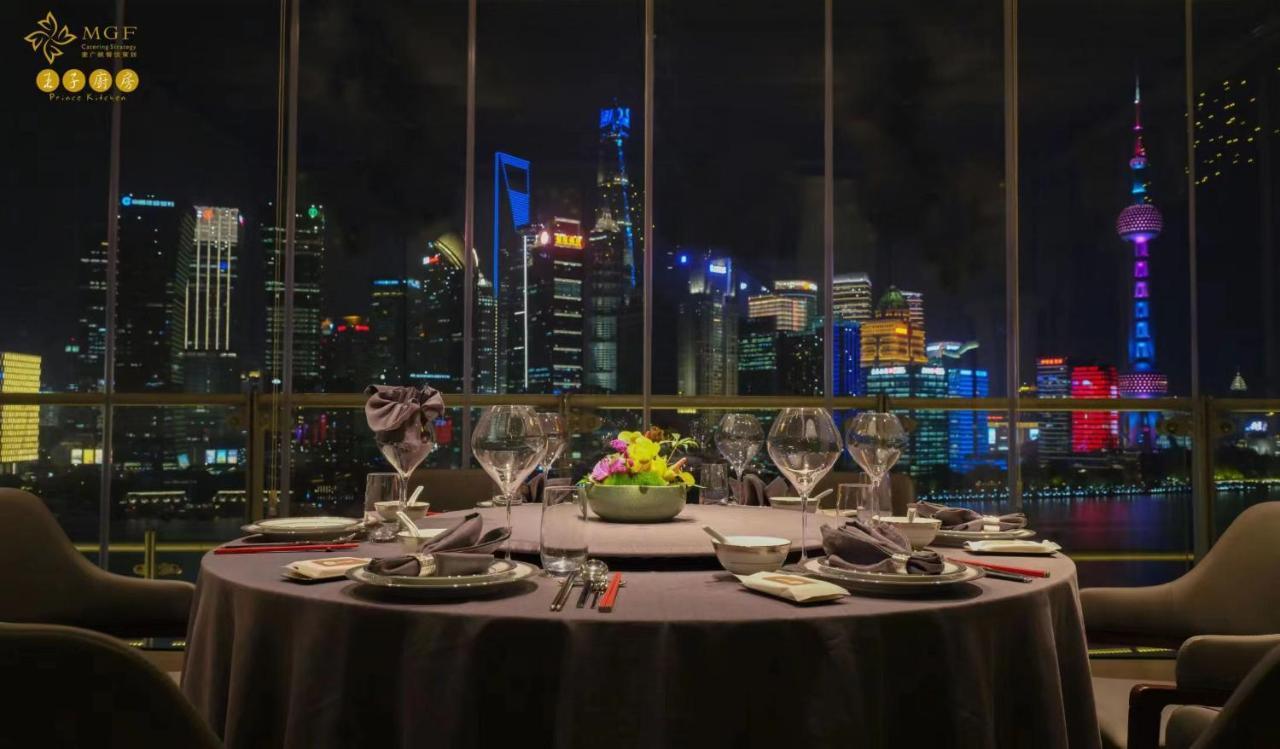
point(1139, 223)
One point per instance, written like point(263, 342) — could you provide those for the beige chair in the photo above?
point(453, 489)
point(1234, 590)
point(1209, 669)
point(44, 579)
point(1247, 720)
point(71, 687)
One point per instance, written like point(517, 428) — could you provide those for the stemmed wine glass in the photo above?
point(738, 438)
point(508, 441)
point(407, 453)
point(875, 440)
point(804, 443)
point(553, 428)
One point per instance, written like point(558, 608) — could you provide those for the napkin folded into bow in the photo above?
point(964, 519)
point(400, 413)
point(534, 489)
point(752, 491)
point(461, 550)
point(882, 548)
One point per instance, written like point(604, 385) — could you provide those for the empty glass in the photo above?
point(804, 443)
point(553, 428)
point(713, 483)
point(563, 539)
point(508, 442)
point(856, 498)
point(738, 438)
point(875, 440)
point(380, 487)
point(407, 453)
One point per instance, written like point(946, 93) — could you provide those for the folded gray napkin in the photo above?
point(448, 563)
point(964, 519)
point(856, 546)
point(403, 566)
point(461, 550)
point(399, 414)
point(463, 534)
point(753, 492)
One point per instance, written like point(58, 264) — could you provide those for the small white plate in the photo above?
point(883, 584)
point(502, 573)
point(1047, 549)
point(303, 529)
point(957, 538)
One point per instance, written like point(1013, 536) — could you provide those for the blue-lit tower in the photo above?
point(511, 220)
point(617, 196)
point(1139, 223)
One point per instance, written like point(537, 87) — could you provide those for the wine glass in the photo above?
point(553, 428)
point(804, 443)
point(509, 443)
point(415, 442)
point(875, 440)
point(738, 438)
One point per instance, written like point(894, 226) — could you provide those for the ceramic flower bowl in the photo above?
point(636, 504)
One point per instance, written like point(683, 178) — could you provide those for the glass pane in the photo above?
point(738, 202)
point(181, 472)
point(919, 205)
point(558, 197)
point(382, 127)
point(1237, 126)
point(197, 179)
point(1246, 463)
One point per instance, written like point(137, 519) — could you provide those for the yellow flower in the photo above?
point(643, 449)
point(628, 437)
point(686, 477)
point(659, 466)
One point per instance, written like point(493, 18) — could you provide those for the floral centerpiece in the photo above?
point(642, 481)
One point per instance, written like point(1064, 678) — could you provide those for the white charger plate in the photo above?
point(303, 529)
point(958, 538)
point(893, 584)
point(500, 574)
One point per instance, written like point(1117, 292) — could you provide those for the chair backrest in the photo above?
point(74, 687)
point(453, 489)
point(1248, 718)
point(1235, 589)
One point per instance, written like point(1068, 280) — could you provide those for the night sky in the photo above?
point(738, 150)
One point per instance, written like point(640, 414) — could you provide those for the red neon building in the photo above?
point(1094, 431)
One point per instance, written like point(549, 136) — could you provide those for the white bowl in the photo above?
point(920, 532)
point(792, 503)
point(747, 555)
point(387, 510)
point(410, 543)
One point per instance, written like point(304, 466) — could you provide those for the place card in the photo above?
point(794, 588)
point(324, 568)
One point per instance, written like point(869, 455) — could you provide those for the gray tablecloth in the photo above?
point(682, 537)
point(688, 659)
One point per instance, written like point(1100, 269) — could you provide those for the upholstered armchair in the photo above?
point(44, 579)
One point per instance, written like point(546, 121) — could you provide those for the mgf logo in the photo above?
point(50, 36)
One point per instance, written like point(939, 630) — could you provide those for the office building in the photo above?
point(512, 185)
point(890, 337)
point(91, 323)
point(1094, 431)
point(540, 303)
point(1053, 380)
point(928, 449)
point(484, 341)
point(846, 363)
point(707, 335)
point(851, 297)
point(915, 309)
point(792, 304)
point(148, 241)
point(392, 303)
point(19, 424)
point(308, 273)
point(347, 354)
point(968, 439)
point(435, 345)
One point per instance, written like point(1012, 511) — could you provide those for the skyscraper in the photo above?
point(928, 449)
point(846, 361)
point(435, 347)
point(891, 337)
point(915, 309)
point(1053, 380)
point(540, 302)
point(19, 425)
point(486, 337)
point(390, 309)
point(308, 270)
point(851, 297)
point(1139, 223)
point(618, 199)
point(203, 296)
point(512, 186)
point(91, 339)
point(1094, 431)
point(148, 240)
point(707, 337)
point(967, 430)
point(614, 262)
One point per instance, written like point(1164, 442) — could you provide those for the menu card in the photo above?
point(794, 588)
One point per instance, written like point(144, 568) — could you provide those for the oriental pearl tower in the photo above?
point(1139, 223)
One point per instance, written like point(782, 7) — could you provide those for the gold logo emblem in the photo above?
point(73, 80)
point(126, 80)
point(100, 80)
point(49, 38)
point(47, 80)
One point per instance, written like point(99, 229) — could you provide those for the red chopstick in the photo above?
point(1003, 568)
point(610, 595)
point(293, 547)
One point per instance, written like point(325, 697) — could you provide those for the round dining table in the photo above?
point(686, 658)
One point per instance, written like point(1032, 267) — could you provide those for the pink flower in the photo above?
point(606, 467)
point(618, 445)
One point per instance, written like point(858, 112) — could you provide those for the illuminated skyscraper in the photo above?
point(851, 297)
point(540, 304)
point(846, 374)
point(512, 185)
point(91, 341)
point(793, 305)
point(967, 430)
point(203, 296)
point(915, 309)
point(928, 449)
point(891, 337)
point(1053, 380)
point(486, 337)
point(308, 270)
point(393, 303)
point(148, 241)
point(1094, 431)
point(19, 425)
point(618, 206)
point(1139, 223)
point(707, 336)
point(435, 331)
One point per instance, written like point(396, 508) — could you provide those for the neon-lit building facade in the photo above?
point(1139, 223)
point(541, 306)
point(1094, 431)
point(19, 424)
point(1053, 380)
point(891, 337)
